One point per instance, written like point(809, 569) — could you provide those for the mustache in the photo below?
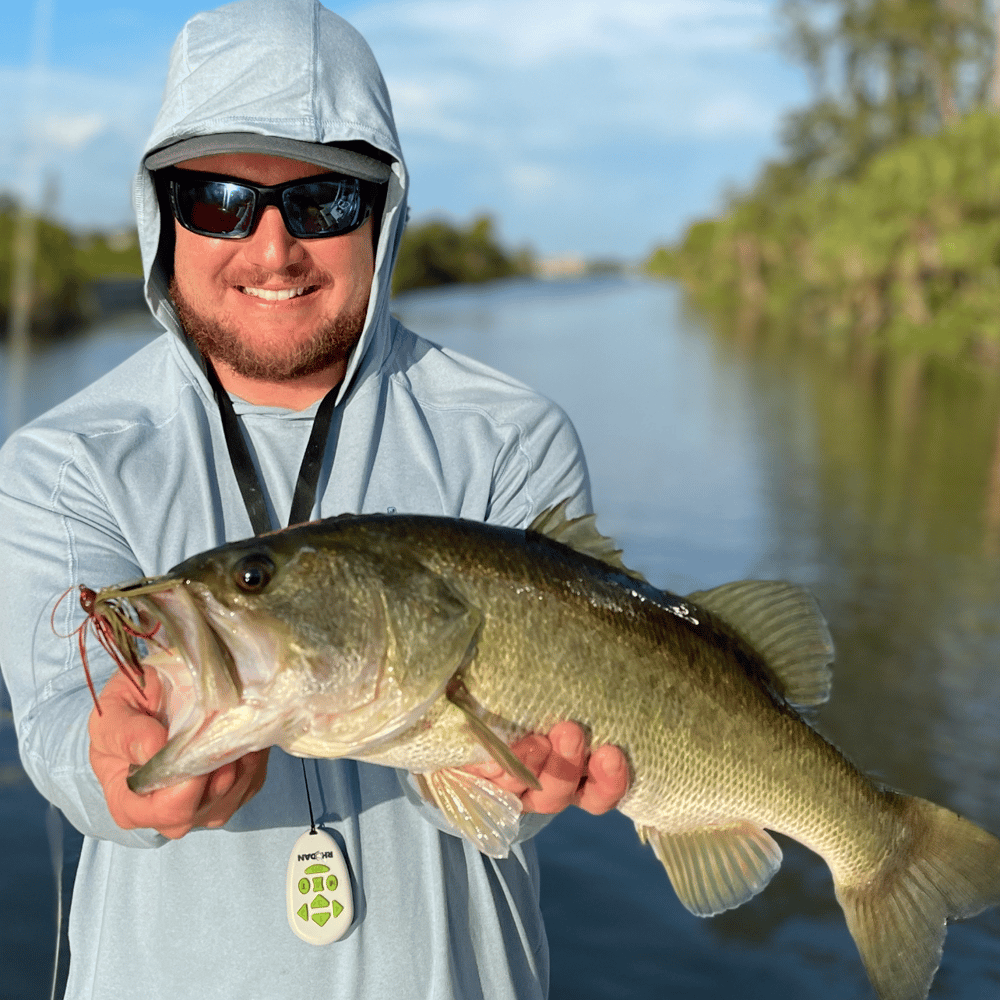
point(301, 274)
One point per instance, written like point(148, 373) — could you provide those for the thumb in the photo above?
point(145, 737)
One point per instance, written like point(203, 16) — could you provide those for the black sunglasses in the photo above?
point(228, 209)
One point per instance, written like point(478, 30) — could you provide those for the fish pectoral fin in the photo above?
point(784, 624)
point(715, 868)
point(483, 813)
point(492, 743)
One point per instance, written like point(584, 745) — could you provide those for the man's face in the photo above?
point(270, 306)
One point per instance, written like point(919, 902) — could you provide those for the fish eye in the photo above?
point(253, 573)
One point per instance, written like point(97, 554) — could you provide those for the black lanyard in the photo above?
point(253, 494)
point(304, 497)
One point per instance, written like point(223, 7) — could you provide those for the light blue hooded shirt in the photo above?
point(132, 475)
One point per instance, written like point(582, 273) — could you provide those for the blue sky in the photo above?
point(581, 126)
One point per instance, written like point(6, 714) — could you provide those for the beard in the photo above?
point(215, 339)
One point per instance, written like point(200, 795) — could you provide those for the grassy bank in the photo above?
point(906, 254)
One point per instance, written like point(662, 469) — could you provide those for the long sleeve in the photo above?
point(56, 533)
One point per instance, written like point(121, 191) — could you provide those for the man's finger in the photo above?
point(563, 768)
point(606, 782)
point(248, 776)
point(170, 811)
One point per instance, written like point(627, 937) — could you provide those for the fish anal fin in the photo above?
point(581, 535)
point(482, 812)
point(715, 868)
point(784, 624)
point(494, 746)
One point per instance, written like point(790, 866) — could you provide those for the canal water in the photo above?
point(713, 457)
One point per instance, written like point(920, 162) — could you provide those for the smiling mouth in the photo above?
point(276, 294)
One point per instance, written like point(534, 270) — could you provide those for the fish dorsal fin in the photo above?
point(784, 624)
point(581, 535)
point(715, 868)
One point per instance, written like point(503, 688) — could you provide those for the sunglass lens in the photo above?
point(216, 207)
point(324, 208)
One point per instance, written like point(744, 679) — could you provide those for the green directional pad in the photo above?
point(337, 908)
point(303, 912)
point(320, 902)
point(321, 918)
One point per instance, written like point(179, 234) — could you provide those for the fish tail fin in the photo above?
point(946, 868)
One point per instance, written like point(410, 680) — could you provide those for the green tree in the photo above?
point(905, 255)
point(58, 280)
point(440, 253)
point(109, 255)
point(879, 226)
point(882, 71)
point(65, 264)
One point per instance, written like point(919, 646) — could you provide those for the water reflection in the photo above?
point(898, 508)
point(674, 466)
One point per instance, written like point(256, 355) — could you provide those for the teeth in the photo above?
point(275, 294)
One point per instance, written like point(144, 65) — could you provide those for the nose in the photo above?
point(271, 245)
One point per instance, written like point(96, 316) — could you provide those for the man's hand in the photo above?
point(570, 775)
point(128, 733)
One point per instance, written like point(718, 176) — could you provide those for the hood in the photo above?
point(285, 68)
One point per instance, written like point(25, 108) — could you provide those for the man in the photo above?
point(270, 204)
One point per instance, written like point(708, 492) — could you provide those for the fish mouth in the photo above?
point(161, 624)
point(199, 674)
point(178, 629)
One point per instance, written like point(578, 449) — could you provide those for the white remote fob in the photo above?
point(318, 889)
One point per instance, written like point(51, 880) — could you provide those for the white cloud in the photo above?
point(532, 179)
point(437, 105)
point(524, 32)
point(71, 131)
point(733, 114)
point(527, 107)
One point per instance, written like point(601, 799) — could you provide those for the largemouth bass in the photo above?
point(429, 643)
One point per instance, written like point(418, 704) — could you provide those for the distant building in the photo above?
point(569, 266)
